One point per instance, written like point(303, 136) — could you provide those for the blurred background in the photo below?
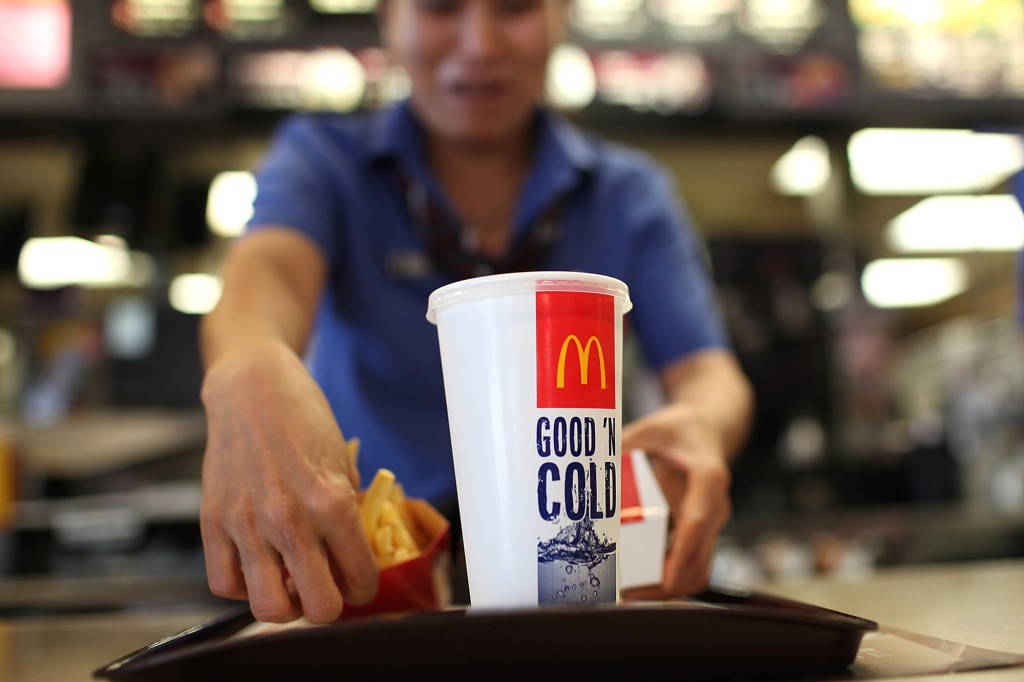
point(850, 164)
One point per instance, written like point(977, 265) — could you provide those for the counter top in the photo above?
point(979, 604)
point(97, 441)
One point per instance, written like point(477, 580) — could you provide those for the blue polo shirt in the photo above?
point(339, 180)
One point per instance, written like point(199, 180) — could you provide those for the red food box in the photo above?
point(421, 583)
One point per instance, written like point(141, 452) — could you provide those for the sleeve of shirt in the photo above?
point(675, 312)
point(294, 184)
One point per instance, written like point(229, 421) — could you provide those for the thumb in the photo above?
point(352, 454)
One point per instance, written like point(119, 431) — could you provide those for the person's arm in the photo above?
point(279, 518)
point(272, 281)
point(692, 441)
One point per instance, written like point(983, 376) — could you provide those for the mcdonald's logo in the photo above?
point(584, 355)
point(571, 372)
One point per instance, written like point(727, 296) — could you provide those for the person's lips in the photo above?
point(477, 90)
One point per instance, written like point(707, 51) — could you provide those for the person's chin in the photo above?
point(483, 111)
point(486, 135)
point(491, 129)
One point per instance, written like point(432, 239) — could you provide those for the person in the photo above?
point(320, 334)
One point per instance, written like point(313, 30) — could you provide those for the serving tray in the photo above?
point(721, 634)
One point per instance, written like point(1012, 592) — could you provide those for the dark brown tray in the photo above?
point(722, 634)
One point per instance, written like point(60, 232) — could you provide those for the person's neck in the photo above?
point(483, 181)
point(461, 162)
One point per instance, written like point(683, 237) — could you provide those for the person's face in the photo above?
point(477, 67)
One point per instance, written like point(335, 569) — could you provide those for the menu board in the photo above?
point(942, 48)
point(782, 25)
point(741, 58)
point(156, 18)
point(234, 20)
point(165, 77)
point(829, 61)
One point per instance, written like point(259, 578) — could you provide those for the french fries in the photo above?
point(387, 521)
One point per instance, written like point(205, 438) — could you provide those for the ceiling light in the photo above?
point(913, 282)
point(697, 20)
point(804, 170)
point(992, 222)
point(229, 202)
point(343, 6)
point(332, 79)
point(195, 293)
point(571, 81)
point(609, 19)
point(910, 161)
point(54, 262)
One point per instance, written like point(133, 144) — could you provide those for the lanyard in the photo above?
point(450, 245)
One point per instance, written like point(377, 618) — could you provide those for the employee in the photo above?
point(320, 334)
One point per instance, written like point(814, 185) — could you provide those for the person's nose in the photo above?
point(480, 30)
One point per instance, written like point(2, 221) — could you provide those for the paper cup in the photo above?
point(532, 374)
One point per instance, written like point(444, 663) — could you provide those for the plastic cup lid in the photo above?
point(515, 283)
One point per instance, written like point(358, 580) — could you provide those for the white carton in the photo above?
point(644, 517)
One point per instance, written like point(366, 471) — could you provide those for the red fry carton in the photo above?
point(644, 517)
point(420, 583)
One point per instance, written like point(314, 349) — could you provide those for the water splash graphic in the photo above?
point(576, 566)
point(576, 544)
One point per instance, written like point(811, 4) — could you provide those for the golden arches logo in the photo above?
point(583, 352)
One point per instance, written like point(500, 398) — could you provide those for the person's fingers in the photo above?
point(643, 435)
point(703, 566)
point(310, 580)
point(698, 492)
point(352, 561)
point(223, 569)
point(296, 531)
point(645, 593)
point(680, 577)
point(704, 512)
point(691, 574)
point(269, 599)
point(689, 558)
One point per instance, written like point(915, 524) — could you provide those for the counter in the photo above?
point(979, 604)
point(974, 603)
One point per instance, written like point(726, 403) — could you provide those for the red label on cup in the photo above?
point(575, 350)
point(632, 507)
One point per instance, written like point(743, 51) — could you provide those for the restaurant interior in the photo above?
point(850, 165)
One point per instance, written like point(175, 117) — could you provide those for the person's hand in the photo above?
point(280, 519)
point(690, 465)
